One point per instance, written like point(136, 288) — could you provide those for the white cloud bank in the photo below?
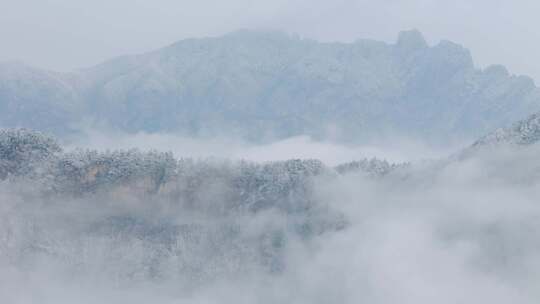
point(466, 232)
point(300, 147)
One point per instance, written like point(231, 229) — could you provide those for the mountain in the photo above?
point(37, 99)
point(267, 85)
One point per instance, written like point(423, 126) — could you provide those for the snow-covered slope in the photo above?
point(269, 84)
point(517, 141)
point(524, 132)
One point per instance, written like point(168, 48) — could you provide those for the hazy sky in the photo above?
point(67, 34)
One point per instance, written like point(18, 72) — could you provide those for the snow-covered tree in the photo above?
point(370, 167)
point(25, 153)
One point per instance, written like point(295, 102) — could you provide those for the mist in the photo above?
point(395, 149)
point(306, 152)
point(443, 231)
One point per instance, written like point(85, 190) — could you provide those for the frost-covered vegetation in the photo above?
point(184, 218)
point(524, 132)
point(25, 154)
point(129, 226)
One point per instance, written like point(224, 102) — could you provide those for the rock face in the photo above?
point(259, 85)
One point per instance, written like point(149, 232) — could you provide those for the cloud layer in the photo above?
point(451, 231)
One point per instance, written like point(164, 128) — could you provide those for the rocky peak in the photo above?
point(410, 41)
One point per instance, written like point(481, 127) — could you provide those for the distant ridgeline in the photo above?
point(268, 85)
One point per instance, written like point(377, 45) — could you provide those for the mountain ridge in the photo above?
point(259, 85)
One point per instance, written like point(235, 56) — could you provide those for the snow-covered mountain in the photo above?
point(37, 99)
point(259, 85)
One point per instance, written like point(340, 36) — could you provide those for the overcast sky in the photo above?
point(68, 34)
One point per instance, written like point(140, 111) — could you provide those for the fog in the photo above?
point(448, 231)
point(103, 216)
point(396, 150)
point(67, 34)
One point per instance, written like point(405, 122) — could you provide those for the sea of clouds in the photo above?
point(455, 230)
